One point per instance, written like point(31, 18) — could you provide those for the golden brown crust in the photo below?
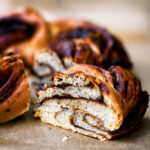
point(14, 88)
point(17, 103)
point(133, 119)
point(21, 22)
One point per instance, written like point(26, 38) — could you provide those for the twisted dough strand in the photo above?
point(14, 87)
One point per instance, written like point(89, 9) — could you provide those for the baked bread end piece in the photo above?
point(87, 101)
point(14, 87)
point(17, 104)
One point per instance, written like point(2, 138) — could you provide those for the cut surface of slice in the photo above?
point(90, 100)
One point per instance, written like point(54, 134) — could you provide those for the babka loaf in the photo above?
point(79, 42)
point(23, 31)
point(92, 101)
point(71, 42)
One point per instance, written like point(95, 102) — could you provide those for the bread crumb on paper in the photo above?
point(65, 138)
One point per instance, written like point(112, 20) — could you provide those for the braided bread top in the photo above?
point(107, 48)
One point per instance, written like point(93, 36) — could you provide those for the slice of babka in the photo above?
point(92, 101)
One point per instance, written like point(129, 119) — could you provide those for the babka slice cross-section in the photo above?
point(92, 101)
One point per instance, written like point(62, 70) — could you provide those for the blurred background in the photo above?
point(128, 19)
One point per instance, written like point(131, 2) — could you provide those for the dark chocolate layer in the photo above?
point(111, 49)
point(13, 30)
point(11, 75)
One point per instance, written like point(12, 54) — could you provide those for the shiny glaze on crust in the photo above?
point(132, 121)
point(111, 51)
point(125, 85)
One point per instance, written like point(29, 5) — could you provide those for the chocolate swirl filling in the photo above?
point(112, 105)
point(11, 74)
point(111, 51)
point(13, 30)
